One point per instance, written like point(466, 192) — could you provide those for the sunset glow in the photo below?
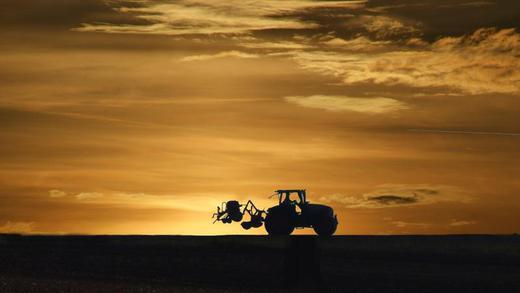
point(140, 117)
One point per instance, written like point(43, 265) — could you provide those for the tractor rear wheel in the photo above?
point(325, 226)
point(278, 224)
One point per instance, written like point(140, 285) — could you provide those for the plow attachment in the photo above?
point(233, 211)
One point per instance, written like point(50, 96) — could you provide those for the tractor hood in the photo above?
point(317, 210)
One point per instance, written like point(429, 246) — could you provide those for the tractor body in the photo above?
point(283, 218)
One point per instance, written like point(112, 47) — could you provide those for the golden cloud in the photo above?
point(17, 227)
point(360, 43)
point(384, 27)
point(402, 224)
point(216, 16)
point(398, 195)
point(197, 202)
point(88, 195)
point(232, 54)
point(486, 61)
point(371, 105)
point(457, 223)
point(57, 193)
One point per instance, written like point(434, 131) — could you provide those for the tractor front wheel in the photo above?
point(278, 224)
point(326, 226)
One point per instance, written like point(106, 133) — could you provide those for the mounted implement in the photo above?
point(283, 218)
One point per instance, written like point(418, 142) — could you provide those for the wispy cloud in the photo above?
point(384, 27)
point(486, 61)
point(17, 227)
point(458, 223)
point(57, 193)
point(216, 16)
point(191, 202)
point(226, 54)
point(466, 132)
point(384, 49)
point(399, 195)
point(88, 195)
point(468, 4)
point(377, 105)
point(287, 45)
point(403, 224)
point(360, 43)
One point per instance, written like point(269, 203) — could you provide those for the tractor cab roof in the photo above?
point(287, 192)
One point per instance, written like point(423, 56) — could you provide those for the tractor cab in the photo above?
point(284, 196)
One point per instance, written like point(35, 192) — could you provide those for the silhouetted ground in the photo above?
point(259, 263)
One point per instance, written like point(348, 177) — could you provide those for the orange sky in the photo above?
point(139, 117)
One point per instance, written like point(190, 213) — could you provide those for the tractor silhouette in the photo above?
point(283, 218)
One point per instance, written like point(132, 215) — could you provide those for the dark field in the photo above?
point(259, 264)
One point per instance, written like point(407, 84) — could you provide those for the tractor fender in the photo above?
point(322, 219)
